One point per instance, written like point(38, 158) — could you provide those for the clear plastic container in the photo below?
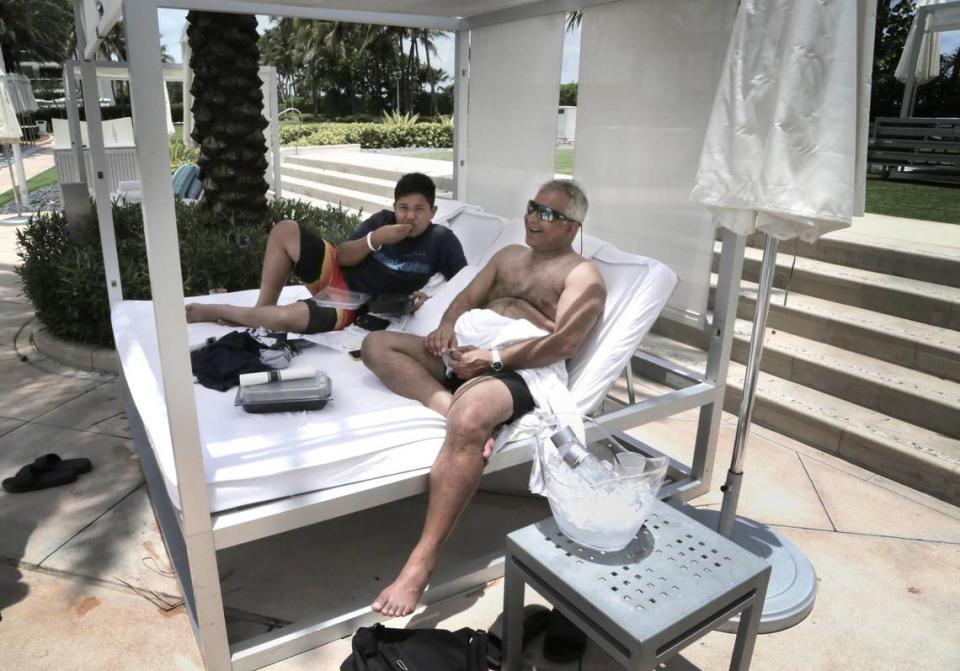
point(602, 502)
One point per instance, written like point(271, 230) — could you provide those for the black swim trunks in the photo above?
point(519, 391)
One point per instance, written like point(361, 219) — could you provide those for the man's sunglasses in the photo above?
point(545, 213)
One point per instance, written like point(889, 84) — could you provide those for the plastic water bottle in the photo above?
point(583, 464)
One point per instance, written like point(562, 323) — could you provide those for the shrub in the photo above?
point(370, 135)
point(66, 282)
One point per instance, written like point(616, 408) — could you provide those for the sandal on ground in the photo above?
point(535, 619)
point(30, 478)
point(563, 642)
point(50, 462)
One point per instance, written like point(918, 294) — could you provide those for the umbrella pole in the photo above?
point(792, 589)
point(731, 489)
point(13, 182)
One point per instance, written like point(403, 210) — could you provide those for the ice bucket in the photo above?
point(605, 510)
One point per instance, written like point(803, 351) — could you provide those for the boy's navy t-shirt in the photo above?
point(405, 266)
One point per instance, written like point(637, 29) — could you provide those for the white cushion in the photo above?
point(478, 233)
point(427, 318)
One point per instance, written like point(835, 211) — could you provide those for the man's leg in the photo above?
point(405, 366)
point(476, 410)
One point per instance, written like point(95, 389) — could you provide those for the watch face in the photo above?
point(496, 366)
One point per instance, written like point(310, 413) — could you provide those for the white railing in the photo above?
point(121, 166)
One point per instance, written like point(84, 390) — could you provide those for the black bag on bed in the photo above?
point(379, 648)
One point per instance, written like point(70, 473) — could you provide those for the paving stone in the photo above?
point(31, 389)
point(880, 605)
point(918, 497)
point(90, 410)
point(13, 318)
point(140, 560)
point(305, 572)
point(71, 624)
point(36, 523)
point(864, 507)
point(776, 488)
point(8, 425)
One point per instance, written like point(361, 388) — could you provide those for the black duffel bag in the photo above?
point(379, 648)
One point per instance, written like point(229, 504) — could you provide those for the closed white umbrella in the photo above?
point(10, 133)
point(928, 56)
point(779, 158)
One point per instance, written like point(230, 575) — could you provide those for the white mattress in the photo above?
point(365, 431)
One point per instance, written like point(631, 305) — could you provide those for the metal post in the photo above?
point(461, 78)
point(21, 175)
point(73, 117)
point(166, 285)
point(731, 490)
point(98, 161)
point(718, 357)
point(13, 181)
point(910, 86)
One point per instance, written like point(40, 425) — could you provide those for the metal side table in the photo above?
point(674, 583)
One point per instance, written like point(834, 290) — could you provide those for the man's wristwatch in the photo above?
point(496, 365)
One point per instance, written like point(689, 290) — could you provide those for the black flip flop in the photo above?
point(50, 462)
point(30, 478)
point(535, 619)
point(563, 642)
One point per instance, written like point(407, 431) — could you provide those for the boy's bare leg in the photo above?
point(283, 252)
point(293, 317)
point(454, 478)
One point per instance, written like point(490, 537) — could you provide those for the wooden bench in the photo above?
point(921, 142)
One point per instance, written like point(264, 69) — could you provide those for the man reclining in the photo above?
point(546, 289)
point(391, 252)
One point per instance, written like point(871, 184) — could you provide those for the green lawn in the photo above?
point(45, 178)
point(562, 163)
point(929, 202)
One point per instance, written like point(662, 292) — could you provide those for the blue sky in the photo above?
point(172, 22)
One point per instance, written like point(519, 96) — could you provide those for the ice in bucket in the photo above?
point(599, 494)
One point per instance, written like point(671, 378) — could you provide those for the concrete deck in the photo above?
point(85, 582)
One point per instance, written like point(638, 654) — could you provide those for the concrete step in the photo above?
point(316, 202)
point(923, 347)
point(379, 166)
point(909, 395)
point(927, 262)
point(356, 200)
point(904, 452)
point(935, 304)
point(353, 181)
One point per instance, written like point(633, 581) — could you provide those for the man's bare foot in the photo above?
point(401, 597)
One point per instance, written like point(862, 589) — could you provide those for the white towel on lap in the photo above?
point(548, 384)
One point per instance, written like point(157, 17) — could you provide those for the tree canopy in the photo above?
point(35, 30)
point(339, 68)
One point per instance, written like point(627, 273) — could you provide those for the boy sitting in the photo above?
point(391, 252)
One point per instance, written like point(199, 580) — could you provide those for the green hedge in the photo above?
point(66, 282)
point(369, 135)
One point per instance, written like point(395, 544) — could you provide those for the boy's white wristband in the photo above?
point(370, 243)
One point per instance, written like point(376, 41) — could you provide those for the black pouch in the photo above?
point(390, 304)
point(379, 648)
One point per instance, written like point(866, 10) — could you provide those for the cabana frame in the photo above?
point(193, 535)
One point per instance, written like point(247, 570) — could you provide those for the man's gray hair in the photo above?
point(577, 209)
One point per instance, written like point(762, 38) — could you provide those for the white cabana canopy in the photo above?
point(649, 75)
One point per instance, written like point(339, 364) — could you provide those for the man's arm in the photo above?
point(474, 295)
point(578, 309)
